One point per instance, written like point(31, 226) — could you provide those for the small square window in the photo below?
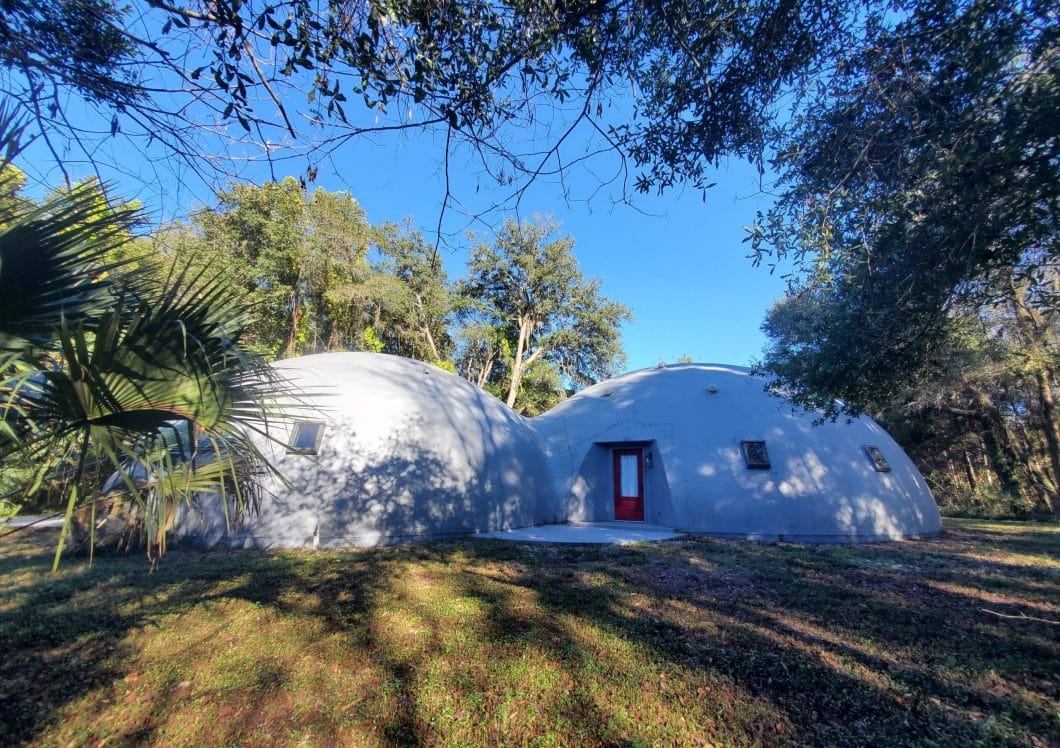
point(755, 456)
point(305, 438)
point(879, 462)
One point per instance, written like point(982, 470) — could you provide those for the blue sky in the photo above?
point(676, 260)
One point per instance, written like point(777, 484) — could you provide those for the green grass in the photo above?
point(941, 642)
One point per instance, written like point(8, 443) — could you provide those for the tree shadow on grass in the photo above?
point(849, 654)
point(486, 641)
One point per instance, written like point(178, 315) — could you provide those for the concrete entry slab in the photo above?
point(40, 522)
point(613, 533)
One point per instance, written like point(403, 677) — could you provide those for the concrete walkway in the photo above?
point(36, 521)
point(614, 533)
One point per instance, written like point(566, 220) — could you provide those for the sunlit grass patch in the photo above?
point(485, 643)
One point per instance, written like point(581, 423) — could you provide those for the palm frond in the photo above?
point(164, 393)
point(53, 266)
point(103, 367)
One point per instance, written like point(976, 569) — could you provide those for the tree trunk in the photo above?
point(335, 339)
point(485, 371)
point(1052, 434)
point(970, 469)
point(521, 365)
point(999, 447)
point(1037, 349)
point(431, 345)
point(116, 524)
point(290, 345)
point(425, 328)
point(525, 328)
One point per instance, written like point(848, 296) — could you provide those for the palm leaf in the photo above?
point(98, 367)
point(130, 378)
point(53, 267)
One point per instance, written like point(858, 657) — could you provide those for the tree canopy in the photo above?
point(925, 173)
point(524, 323)
point(528, 303)
point(298, 256)
point(670, 87)
point(319, 276)
point(920, 195)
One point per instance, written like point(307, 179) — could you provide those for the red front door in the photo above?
point(629, 484)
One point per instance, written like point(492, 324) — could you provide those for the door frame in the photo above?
point(616, 466)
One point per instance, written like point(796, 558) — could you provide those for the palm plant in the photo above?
point(101, 366)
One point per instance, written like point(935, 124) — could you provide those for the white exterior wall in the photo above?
point(821, 486)
point(409, 451)
point(412, 452)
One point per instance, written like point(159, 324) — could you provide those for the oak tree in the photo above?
point(531, 303)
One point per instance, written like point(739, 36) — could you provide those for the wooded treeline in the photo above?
point(102, 324)
point(978, 416)
point(976, 413)
point(919, 196)
point(976, 410)
point(523, 322)
point(986, 435)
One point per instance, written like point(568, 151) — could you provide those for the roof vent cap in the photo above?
point(712, 389)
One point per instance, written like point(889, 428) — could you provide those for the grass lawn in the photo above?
point(693, 642)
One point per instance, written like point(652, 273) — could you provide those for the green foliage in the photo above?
point(77, 44)
point(8, 509)
point(18, 478)
point(318, 274)
point(129, 250)
point(705, 77)
point(409, 296)
point(448, 366)
point(298, 257)
point(105, 370)
point(12, 204)
point(324, 279)
point(371, 341)
point(973, 412)
point(986, 501)
point(542, 389)
point(525, 300)
point(922, 174)
point(47, 254)
point(920, 187)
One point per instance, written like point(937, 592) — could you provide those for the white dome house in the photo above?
point(402, 450)
point(397, 450)
point(704, 448)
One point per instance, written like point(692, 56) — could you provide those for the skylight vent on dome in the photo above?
point(305, 438)
point(755, 456)
point(879, 462)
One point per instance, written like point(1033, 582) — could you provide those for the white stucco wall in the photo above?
point(412, 452)
point(409, 451)
point(821, 486)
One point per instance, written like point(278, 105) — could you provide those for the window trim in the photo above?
point(315, 449)
point(876, 458)
point(750, 462)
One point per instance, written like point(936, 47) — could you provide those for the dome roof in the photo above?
point(399, 450)
point(406, 451)
point(699, 421)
